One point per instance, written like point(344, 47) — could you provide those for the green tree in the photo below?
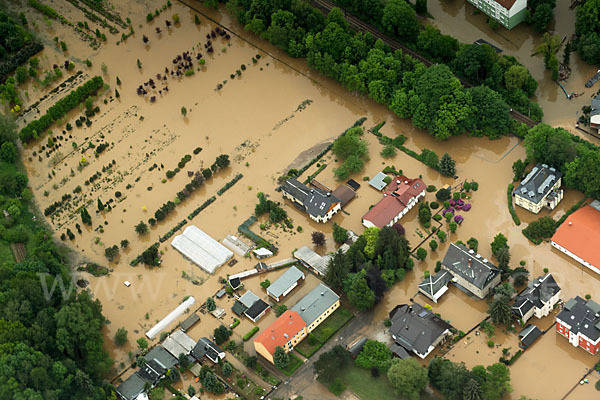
point(441, 235)
point(221, 334)
point(141, 228)
point(121, 337)
point(500, 311)
point(330, 363)
point(518, 168)
point(210, 304)
point(472, 390)
point(183, 111)
point(388, 151)
point(473, 244)
point(447, 165)
point(8, 152)
point(337, 270)
point(85, 216)
point(542, 16)
point(372, 236)
point(433, 245)
point(408, 377)
point(374, 354)
point(358, 291)
point(452, 226)
point(497, 382)
point(280, 309)
point(318, 238)
point(520, 276)
point(421, 254)
point(500, 241)
point(490, 113)
point(100, 205)
point(503, 256)
point(281, 359)
point(142, 343)
point(424, 213)
point(340, 235)
point(399, 20)
point(111, 252)
point(443, 194)
point(227, 368)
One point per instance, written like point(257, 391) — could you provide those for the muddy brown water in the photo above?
point(255, 119)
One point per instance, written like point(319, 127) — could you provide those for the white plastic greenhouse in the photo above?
point(173, 315)
point(201, 249)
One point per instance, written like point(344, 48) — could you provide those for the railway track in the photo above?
point(358, 25)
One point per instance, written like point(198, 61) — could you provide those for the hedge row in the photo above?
point(60, 109)
point(229, 184)
point(172, 231)
point(248, 335)
point(511, 207)
point(398, 142)
point(48, 11)
point(244, 229)
point(202, 207)
point(13, 61)
point(317, 172)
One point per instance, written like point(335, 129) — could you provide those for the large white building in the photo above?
point(201, 249)
point(320, 206)
point(508, 13)
point(539, 189)
point(538, 299)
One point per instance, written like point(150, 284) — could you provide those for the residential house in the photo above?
point(579, 322)
point(178, 343)
point(508, 13)
point(595, 113)
point(316, 306)
point(310, 259)
point(538, 299)
point(320, 206)
point(132, 388)
point(287, 331)
point(285, 283)
point(401, 195)
point(434, 286)
point(253, 307)
point(579, 235)
point(158, 362)
point(417, 329)
point(206, 348)
point(540, 188)
point(192, 319)
point(470, 271)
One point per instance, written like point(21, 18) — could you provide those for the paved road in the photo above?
point(303, 381)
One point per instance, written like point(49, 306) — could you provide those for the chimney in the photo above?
point(322, 293)
point(328, 194)
point(570, 223)
point(470, 263)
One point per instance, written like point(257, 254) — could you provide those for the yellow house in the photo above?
point(316, 306)
point(287, 331)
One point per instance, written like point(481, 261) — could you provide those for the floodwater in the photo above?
point(256, 119)
point(521, 42)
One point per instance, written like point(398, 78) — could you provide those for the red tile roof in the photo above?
point(395, 200)
point(506, 3)
point(580, 234)
point(289, 323)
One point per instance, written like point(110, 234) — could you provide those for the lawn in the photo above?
point(360, 382)
point(323, 332)
point(294, 364)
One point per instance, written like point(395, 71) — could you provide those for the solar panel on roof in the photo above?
point(422, 313)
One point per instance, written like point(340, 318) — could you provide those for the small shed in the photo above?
point(235, 283)
point(434, 286)
point(262, 253)
point(236, 245)
point(378, 181)
point(356, 347)
point(353, 184)
point(189, 322)
point(221, 293)
point(529, 335)
point(218, 312)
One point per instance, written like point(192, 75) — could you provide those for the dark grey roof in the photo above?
point(596, 103)
point(529, 335)
point(257, 309)
point(131, 387)
point(399, 351)
point(163, 356)
point(315, 201)
point(537, 183)
point(353, 184)
point(152, 371)
point(480, 272)
point(357, 346)
point(580, 315)
point(189, 322)
point(538, 292)
point(205, 347)
point(238, 308)
point(235, 283)
point(285, 281)
point(311, 306)
point(433, 283)
point(415, 327)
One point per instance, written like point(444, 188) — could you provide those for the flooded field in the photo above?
point(275, 114)
point(521, 42)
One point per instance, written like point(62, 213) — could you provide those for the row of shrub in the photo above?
point(48, 11)
point(12, 61)
point(251, 333)
point(57, 204)
point(229, 184)
point(511, 207)
point(427, 157)
point(314, 174)
point(177, 227)
point(202, 207)
point(60, 109)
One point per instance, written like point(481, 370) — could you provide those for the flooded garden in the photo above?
point(194, 116)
